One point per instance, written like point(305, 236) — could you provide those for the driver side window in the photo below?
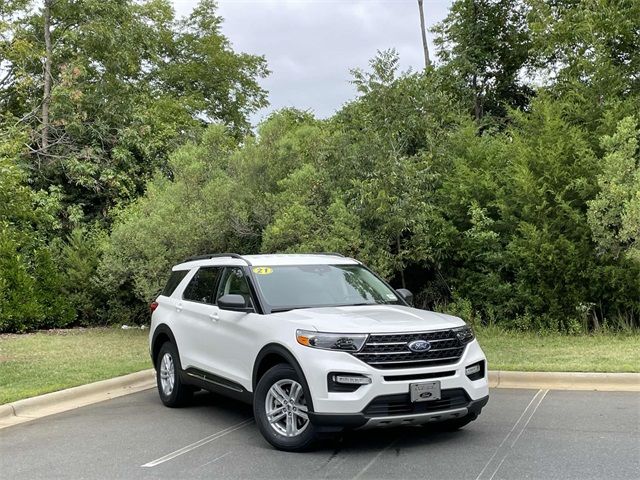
point(234, 282)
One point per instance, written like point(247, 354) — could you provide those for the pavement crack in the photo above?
point(214, 460)
point(375, 459)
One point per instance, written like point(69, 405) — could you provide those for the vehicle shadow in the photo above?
point(392, 438)
point(219, 404)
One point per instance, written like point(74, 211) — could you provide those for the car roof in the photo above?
point(270, 260)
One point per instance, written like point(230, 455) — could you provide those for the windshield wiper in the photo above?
point(358, 304)
point(286, 309)
point(302, 307)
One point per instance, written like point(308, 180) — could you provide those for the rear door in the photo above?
point(197, 316)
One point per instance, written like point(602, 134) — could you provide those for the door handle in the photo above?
point(178, 307)
point(214, 317)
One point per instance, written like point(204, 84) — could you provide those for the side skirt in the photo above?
point(216, 384)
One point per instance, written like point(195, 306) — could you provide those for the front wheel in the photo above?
point(281, 410)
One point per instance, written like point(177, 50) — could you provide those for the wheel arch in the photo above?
point(161, 335)
point(273, 354)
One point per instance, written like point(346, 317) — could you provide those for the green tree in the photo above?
point(127, 83)
point(311, 217)
point(614, 215)
point(387, 146)
point(519, 200)
point(586, 52)
point(485, 47)
point(191, 213)
point(210, 80)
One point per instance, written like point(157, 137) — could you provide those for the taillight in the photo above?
point(153, 306)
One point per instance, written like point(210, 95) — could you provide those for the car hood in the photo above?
point(370, 319)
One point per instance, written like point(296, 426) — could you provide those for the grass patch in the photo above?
point(36, 363)
point(531, 352)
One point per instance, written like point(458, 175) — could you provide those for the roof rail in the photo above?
point(331, 254)
point(207, 256)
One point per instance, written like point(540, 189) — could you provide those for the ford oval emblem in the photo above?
point(419, 346)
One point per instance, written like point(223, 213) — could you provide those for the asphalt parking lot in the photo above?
point(521, 434)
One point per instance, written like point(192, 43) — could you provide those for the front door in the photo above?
point(236, 345)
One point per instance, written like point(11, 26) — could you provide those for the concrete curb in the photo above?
point(606, 382)
point(76, 397)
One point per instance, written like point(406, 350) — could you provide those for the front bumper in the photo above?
point(362, 420)
point(349, 407)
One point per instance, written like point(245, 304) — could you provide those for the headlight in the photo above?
point(464, 334)
point(331, 341)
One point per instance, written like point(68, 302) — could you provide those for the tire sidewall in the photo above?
point(294, 444)
point(174, 399)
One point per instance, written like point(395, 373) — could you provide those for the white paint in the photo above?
point(199, 443)
point(515, 432)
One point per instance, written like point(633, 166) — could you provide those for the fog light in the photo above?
point(472, 369)
point(475, 371)
point(351, 380)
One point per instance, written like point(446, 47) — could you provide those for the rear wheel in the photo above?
point(281, 410)
point(173, 392)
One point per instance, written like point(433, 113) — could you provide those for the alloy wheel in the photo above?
point(167, 374)
point(286, 408)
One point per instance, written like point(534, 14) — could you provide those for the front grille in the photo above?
point(385, 351)
point(401, 404)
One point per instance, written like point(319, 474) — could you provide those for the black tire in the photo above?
point(452, 425)
point(181, 393)
point(308, 435)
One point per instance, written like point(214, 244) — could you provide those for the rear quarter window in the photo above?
point(173, 282)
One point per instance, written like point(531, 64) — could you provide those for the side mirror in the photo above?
point(406, 294)
point(234, 302)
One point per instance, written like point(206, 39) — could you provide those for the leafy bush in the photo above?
point(30, 295)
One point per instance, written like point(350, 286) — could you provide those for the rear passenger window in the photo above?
point(174, 280)
point(202, 286)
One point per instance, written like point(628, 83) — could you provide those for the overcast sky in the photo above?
point(310, 45)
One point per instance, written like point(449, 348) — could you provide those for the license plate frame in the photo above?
point(425, 391)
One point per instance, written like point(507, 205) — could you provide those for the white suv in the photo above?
point(317, 342)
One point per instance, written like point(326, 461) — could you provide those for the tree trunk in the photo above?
point(398, 246)
point(477, 97)
point(427, 60)
point(477, 101)
point(46, 98)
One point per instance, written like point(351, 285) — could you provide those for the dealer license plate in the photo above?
point(425, 391)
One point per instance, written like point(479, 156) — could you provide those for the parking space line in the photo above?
point(517, 430)
point(199, 443)
point(530, 417)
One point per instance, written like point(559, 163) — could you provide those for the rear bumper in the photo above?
point(340, 421)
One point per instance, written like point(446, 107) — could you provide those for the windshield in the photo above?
point(305, 286)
